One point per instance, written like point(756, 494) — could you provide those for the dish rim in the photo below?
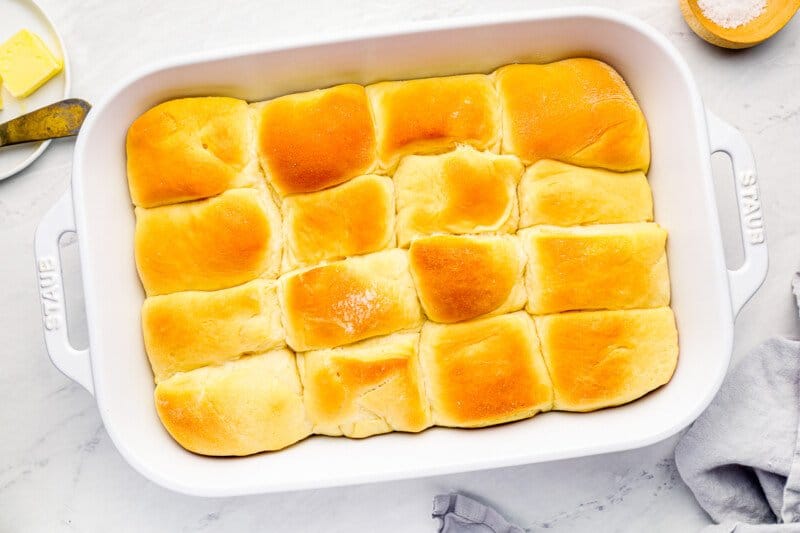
point(480, 463)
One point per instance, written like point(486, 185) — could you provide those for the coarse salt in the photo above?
point(731, 13)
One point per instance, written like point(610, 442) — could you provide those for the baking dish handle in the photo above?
point(74, 363)
point(745, 280)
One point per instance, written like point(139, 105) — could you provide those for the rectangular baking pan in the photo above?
point(706, 295)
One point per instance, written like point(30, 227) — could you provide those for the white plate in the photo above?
point(16, 15)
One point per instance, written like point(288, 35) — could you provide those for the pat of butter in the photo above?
point(26, 63)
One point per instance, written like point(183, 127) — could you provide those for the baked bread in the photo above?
point(310, 141)
point(188, 330)
point(614, 266)
point(603, 358)
point(209, 244)
point(239, 408)
point(463, 191)
point(578, 111)
point(353, 218)
point(432, 115)
point(464, 277)
point(189, 149)
point(363, 389)
point(374, 204)
point(484, 372)
point(556, 193)
point(347, 301)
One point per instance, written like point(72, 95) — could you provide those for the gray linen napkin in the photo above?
point(741, 458)
point(460, 514)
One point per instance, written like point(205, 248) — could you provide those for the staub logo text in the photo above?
point(49, 291)
point(751, 208)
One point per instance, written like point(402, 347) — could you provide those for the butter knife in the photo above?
point(61, 119)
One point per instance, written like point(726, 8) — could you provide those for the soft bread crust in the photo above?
point(559, 194)
point(209, 244)
point(367, 388)
point(614, 266)
point(484, 372)
point(354, 218)
point(310, 141)
point(463, 191)
point(600, 359)
point(189, 149)
point(239, 408)
point(464, 277)
point(188, 330)
point(408, 236)
point(579, 111)
point(432, 115)
point(347, 301)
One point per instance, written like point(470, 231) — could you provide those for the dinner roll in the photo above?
point(309, 141)
point(432, 115)
point(579, 111)
point(367, 388)
point(347, 301)
point(564, 195)
point(353, 218)
point(464, 191)
point(603, 358)
point(189, 149)
point(241, 407)
point(487, 371)
point(464, 277)
point(187, 330)
point(614, 266)
point(208, 245)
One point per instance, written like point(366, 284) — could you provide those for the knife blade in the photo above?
point(61, 119)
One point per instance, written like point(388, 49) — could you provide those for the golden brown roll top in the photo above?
point(579, 111)
point(353, 218)
point(559, 194)
point(310, 141)
point(209, 244)
point(487, 371)
point(464, 277)
point(242, 407)
point(189, 149)
point(367, 388)
point(432, 115)
point(603, 358)
point(347, 301)
point(463, 191)
point(352, 303)
point(188, 330)
point(615, 266)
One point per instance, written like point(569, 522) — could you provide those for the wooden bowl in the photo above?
point(775, 16)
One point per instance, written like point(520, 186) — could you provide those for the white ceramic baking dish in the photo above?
point(706, 296)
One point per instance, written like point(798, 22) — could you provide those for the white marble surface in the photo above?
point(60, 472)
